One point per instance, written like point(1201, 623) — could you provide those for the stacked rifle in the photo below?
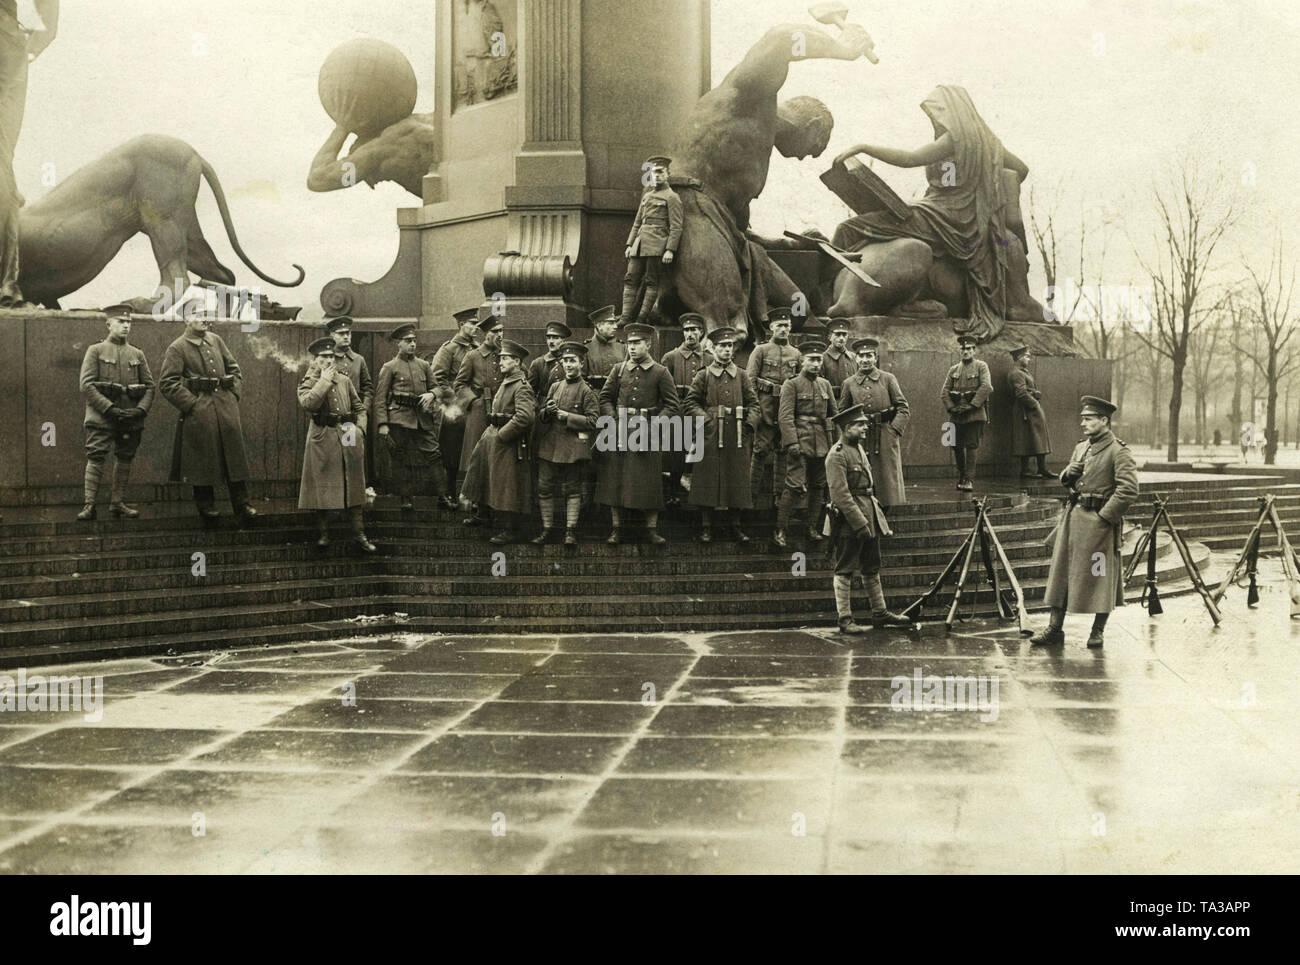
point(1249, 558)
point(1147, 544)
point(1010, 599)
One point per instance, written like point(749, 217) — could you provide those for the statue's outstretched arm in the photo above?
point(765, 67)
point(327, 171)
point(937, 150)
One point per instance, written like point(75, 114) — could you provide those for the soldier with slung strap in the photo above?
point(839, 362)
point(445, 365)
point(408, 416)
point(881, 397)
point(804, 417)
point(856, 523)
point(769, 366)
point(683, 363)
point(651, 244)
point(966, 389)
point(568, 419)
point(119, 390)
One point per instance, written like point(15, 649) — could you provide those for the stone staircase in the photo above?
point(72, 590)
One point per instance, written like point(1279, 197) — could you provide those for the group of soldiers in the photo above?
point(815, 429)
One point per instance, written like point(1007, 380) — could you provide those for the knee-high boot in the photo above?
point(94, 472)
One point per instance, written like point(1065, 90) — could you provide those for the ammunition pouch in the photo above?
point(136, 391)
point(400, 401)
point(500, 421)
point(766, 386)
point(962, 398)
point(111, 390)
point(1090, 501)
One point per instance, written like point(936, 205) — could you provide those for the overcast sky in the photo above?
point(1095, 95)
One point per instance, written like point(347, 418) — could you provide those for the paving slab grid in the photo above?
point(1173, 750)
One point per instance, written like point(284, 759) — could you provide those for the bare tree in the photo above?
point(1202, 357)
point(1270, 313)
point(1193, 213)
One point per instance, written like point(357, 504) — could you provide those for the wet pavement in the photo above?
point(1173, 750)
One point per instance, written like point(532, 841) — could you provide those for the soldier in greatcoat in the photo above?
point(881, 397)
point(839, 362)
point(857, 523)
point(119, 390)
point(475, 385)
point(966, 389)
point(568, 419)
point(804, 417)
point(445, 365)
point(1086, 573)
point(1029, 436)
point(408, 417)
point(683, 364)
point(604, 351)
point(769, 365)
point(651, 244)
point(334, 460)
point(500, 475)
point(202, 380)
point(723, 393)
point(638, 388)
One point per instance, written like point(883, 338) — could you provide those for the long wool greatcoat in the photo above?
point(500, 473)
point(1077, 581)
point(333, 474)
point(683, 366)
point(721, 478)
point(476, 383)
point(875, 393)
point(1029, 436)
point(209, 437)
point(631, 480)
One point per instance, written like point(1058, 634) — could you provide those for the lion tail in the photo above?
point(215, 184)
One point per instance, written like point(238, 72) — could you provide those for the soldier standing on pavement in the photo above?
point(880, 396)
point(119, 390)
point(769, 366)
point(334, 460)
point(1087, 571)
point(804, 417)
point(1029, 435)
point(408, 416)
point(966, 389)
point(683, 363)
point(723, 393)
point(445, 365)
point(839, 362)
point(568, 419)
point(639, 388)
point(857, 523)
point(651, 244)
point(500, 474)
point(475, 385)
point(202, 380)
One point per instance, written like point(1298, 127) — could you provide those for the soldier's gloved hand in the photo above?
point(118, 414)
point(135, 412)
point(427, 401)
point(627, 252)
point(383, 430)
point(668, 258)
point(792, 449)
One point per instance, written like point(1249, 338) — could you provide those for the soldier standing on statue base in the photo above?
point(857, 522)
point(1087, 570)
point(724, 395)
point(881, 397)
point(651, 245)
point(334, 459)
point(804, 417)
point(119, 389)
point(770, 364)
point(568, 419)
point(408, 417)
point(966, 389)
point(201, 378)
point(1029, 436)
